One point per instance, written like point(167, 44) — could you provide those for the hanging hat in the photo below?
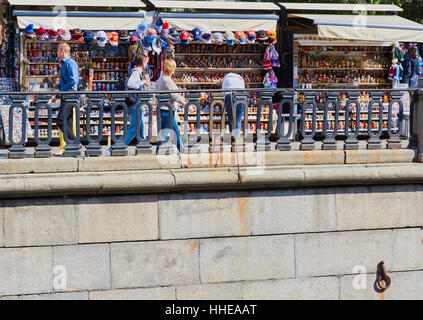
point(251, 36)
point(262, 35)
point(271, 35)
point(65, 34)
point(174, 35)
point(29, 32)
point(230, 38)
point(218, 38)
point(124, 36)
point(41, 33)
point(89, 36)
point(113, 39)
point(77, 35)
point(101, 38)
point(156, 46)
point(150, 35)
point(53, 34)
point(240, 36)
point(158, 25)
point(142, 27)
point(165, 30)
point(206, 36)
point(163, 43)
point(185, 37)
point(196, 34)
point(133, 38)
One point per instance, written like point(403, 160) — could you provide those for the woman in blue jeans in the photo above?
point(165, 82)
point(233, 81)
point(137, 80)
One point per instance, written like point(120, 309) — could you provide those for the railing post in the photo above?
point(374, 142)
point(418, 129)
point(329, 142)
point(192, 140)
point(216, 139)
point(143, 145)
point(17, 149)
point(308, 142)
point(72, 148)
point(284, 142)
point(94, 148)
point(352, 142)
point(266, 98)
point(239, 142)
point(119, 148)
point(394, 141)
point(42, 150)
point(167, 145)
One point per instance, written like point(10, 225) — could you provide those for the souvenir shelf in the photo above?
point(320, 64)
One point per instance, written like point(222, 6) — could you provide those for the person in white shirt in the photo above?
point(233, 81)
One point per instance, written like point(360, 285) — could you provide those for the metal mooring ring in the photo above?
point(383, 282)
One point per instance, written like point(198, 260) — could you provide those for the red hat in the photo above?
point(184, 35)
point(165, 25)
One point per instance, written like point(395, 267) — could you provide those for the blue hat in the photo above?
point(158, 25)
point(196, 34)
point(29, 32)
point(142, 27)
point(89, 36)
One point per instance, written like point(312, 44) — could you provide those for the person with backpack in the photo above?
point(137, 80)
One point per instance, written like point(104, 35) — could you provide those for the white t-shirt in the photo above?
point(233, 81)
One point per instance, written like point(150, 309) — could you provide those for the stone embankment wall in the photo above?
point(290, 243)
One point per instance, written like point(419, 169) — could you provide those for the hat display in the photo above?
point(142, 27)
point(230, 38)
point(158, 25)
point(133, 38)
point(29, 32)
point(262, 35)
point(89, 36)
point(271, 35)
point(218, 38)
point(41, 33)
point(53, 34)
point(240, 36)
point(101, 38)
point(150, 35)
point(113, 39)
point(174, 35)
point(65, 34)
point(124, 36)
point(77, 35)
point(185, 37)
point(156, 46)
point(206, 36)
point(196, 34)
point(251, 36)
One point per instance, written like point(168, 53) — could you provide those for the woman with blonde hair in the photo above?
point(165, 82)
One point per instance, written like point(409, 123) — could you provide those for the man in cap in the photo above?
point(69, 81)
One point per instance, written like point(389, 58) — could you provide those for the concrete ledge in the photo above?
point(380, 156)
point(41, 165)
point(154, 181)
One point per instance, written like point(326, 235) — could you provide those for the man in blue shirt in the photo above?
point(69, 80)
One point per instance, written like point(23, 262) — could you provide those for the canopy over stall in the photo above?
point(79, 3)
point(363, 27)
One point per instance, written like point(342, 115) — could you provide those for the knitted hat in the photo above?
point(142, 27)
point(53, 34)
point(251, 36)
point(89, 36)
point(133, 38)
point(65, 34)
point(207, 36)
point(113, 39)
point(271, 35)
point(185, 37)
point(77, 35)
point(262, 35)
point(240, 36)
point(230, 38)
point(174, 35)
point(41, 33)
point(124, 36)
point(218, 38)
point(165, 30)
point(29, 32)
point(150, 35)
point(196, 34)
point(101, 38)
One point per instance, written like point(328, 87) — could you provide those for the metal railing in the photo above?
point(308, 119)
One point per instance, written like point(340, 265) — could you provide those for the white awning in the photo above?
point(215, 5)
point(79, 3)
point(82, 20)
point(220, 22)
point(365, 27)
point(340, 7)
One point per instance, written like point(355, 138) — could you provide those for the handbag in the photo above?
point(131, 99)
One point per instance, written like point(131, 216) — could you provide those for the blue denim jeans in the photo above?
point(239, 114)
point(132, 130)
point(164, 121)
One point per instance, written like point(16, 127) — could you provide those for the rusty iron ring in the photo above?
point(383, 282)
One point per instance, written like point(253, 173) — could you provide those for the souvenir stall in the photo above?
point(347, 52)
